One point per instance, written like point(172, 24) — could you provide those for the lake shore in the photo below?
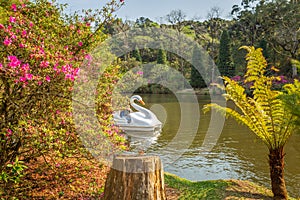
point(179, 188)
point(50, 185)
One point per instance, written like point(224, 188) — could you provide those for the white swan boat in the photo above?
point(142, 123)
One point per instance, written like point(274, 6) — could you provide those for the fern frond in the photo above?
point(241, 119)
point(256, 65)
point(292, 100)
point(265, 113)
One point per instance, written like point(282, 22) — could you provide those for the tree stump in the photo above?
point(135, 177)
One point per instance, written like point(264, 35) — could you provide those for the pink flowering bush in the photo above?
point(41, 51)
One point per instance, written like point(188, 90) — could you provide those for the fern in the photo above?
point(264, 113)
point(292, 100)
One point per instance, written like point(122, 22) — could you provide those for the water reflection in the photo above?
point(238, 154)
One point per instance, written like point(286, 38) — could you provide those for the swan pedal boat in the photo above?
point(142, 123)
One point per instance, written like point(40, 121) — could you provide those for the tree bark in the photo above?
point(276, 162)
point(135, 177)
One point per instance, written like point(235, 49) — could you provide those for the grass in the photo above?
point(218, 189)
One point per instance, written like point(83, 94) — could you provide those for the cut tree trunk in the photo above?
point(276, 162)
point(135, 177)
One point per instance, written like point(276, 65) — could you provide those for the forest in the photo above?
point(270, 25)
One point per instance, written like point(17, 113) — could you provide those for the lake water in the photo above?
point(237, 154)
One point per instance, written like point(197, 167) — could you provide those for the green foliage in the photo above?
point(264, 113)
point(291, 98)
point(161, 57)
point(275, 22)
point(263, 44)
point(35, 90)
point(143, 22)
point(136, 54)
point(13, 172)
point(197, 80)
point(225, 64)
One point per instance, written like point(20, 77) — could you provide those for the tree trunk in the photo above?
point(276, 162)
point(135, 177)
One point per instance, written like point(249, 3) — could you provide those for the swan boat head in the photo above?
point(137, 98)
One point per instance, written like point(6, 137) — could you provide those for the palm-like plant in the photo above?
point(264, 113)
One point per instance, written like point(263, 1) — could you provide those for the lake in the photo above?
point(237, 154)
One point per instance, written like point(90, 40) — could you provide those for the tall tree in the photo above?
point(225, 64)
point(276, 22)
point(263, 44)
point(214, 26)
point(264, 114)
point(143, 22)
point(136, 54)
point(196, 79)
point(281, 25)
point(176, 18)
point(161, 56)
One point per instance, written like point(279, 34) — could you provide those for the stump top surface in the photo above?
point(135, 156)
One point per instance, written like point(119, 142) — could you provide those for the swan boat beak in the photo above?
point(142, 102)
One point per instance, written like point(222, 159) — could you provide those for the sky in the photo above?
point(155, 9)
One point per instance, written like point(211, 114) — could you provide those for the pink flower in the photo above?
point(2, 26)
point(88, 57)
point(28, 76)
point(30, 24)
point(139, 72)
point(40, 82)
point(12, 19)
point(48, 78)
point(80, 44)
point(22, 45)
point(24, 33)
point(236, 78)
point(14, 7)
point(69, 76)
point(41, 51)
point(25, 67)
point(14, 61)
point(44, 64)
point(7, 41)
point(9, 133)
point(1, 65)
point(55, 68)
point(76, 71)
point(13, 36)
point(22, 79)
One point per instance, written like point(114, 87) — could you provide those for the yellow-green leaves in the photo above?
point(256, 64)
point(263, 112)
